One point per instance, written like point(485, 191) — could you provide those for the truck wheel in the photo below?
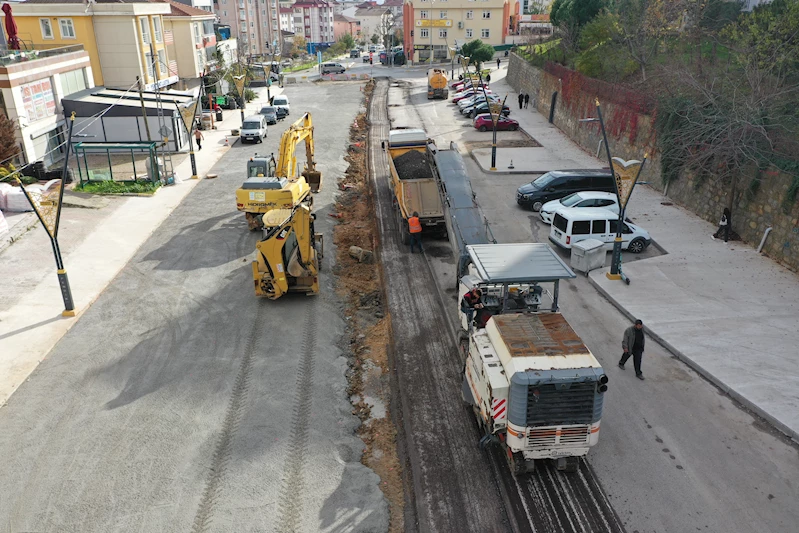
point(517, 463)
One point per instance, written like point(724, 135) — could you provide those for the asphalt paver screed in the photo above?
point(359, 283)
point(412, 165)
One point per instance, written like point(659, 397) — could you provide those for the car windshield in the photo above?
point(268, 110)
point(280, 101)
point(572, 199)
point(252, 125)
point(543, 181)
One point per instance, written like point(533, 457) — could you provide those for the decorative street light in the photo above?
point(430, 23)
point(626, 174)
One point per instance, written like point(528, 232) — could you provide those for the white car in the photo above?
point(472, 100)
point(606, 200)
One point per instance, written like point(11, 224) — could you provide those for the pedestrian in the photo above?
point(471, 300)
point(521, 100)
point(724, 226)
point(198, 136)
point(526, 100)
point(415, 229)
point(498, 63)
point(488, 78)
point(633, 343)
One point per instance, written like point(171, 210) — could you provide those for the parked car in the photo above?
point(482, 107)
point(285, 63)
point(333, 68)
point(254, 128)
point(556, 184)
point(270, 112)
point(605, 200)
point(469, 93)
point(355, 52)
point(281, 101)
point(476, 99)
point(571, 225)
point(484, 123)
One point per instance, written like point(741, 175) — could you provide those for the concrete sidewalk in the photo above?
point(727, 311)
point(96, 244)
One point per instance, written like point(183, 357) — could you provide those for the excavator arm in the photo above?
point(287, 259)
point(301, 130)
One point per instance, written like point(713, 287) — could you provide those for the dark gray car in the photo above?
point(270, 112)
point(559, 183)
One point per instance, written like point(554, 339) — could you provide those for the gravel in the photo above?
point(412, 165)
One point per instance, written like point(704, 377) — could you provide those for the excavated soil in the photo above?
point(368, 325)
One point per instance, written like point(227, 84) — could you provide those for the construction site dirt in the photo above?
point(456, 486)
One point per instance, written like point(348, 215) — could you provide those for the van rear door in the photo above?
point(558, 232)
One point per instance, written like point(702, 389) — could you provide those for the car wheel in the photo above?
point(537, 206)
point(513, 127)
point(482, 128)
point(637, 246)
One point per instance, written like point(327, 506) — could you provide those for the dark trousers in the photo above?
point(725, 230)
point(416, 239)
point(199, 146)
point(637, 355)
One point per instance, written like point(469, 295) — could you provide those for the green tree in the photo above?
point(348, 40)
point(375, 38)
point(8, 141)
point(300, 43)
point(478, 52)
point(603, 54)
point(569, 16)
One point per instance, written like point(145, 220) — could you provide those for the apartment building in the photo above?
point(32, 84)
point(344, 25)
point(378, 21)
point(255, 24)
point(313, 19)
point(190, 41)
point(287, 19)
point(435, 26)
point(205, 5)
point(123, 38)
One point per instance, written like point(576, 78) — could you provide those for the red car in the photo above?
point(483, 123)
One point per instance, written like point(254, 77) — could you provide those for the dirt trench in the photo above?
point(368, 324)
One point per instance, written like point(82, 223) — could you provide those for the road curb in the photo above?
point(488, 171)
point(790, 433)
point(19, 229)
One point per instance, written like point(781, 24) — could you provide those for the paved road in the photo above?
point(674, 454)
point(180, 402)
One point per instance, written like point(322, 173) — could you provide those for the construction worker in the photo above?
point(415, 229)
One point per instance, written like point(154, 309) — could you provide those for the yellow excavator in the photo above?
point(287, 259)
point(276, 183)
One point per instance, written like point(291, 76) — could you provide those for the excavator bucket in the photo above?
point(314, 179)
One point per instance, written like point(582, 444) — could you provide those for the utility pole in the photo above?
point(144, 110)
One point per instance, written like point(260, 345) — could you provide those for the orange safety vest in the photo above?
point(414, 225)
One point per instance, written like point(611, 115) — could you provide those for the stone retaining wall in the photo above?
point(631, 135)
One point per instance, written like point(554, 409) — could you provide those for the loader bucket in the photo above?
point(314, 179)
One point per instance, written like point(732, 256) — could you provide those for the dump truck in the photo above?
point(412, 182)
point(535, 388)
point(437, 84)
point(276, 183)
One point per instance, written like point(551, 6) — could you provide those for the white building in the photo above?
point(313, 19)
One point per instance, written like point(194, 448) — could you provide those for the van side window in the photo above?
point(581, 227)
point(604, 183)
point(598, 226)
point(624, 227)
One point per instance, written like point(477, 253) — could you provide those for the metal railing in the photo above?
point(13, 57)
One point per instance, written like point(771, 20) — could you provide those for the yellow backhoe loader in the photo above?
point(277, 184)
point(287, 259)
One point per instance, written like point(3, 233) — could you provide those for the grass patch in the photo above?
point(301, 66)
point(119, 187)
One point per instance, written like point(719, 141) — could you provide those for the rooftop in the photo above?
point(183, 10)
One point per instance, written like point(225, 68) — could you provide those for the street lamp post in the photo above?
point(625, 174)
point(494, 118)
point(430, 22)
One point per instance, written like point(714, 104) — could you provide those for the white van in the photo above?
point(575, 224)
point(333, 68)
point(254, 128)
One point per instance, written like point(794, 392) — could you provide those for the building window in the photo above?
point(159, 37)
point(162, 65)
point(144, 24)
point(67, 29)
point(47, 29)
point(470, 14)
point(485, 34)
point(200, 60)
point(424, 32)
point(486, 14)
point(422, 14)
point(442, 14)
point(150, 72)
point(72, 81)
point(469, 33)
point(442, 34)
point(252, 24)
point(197, 38)
point(224, 13)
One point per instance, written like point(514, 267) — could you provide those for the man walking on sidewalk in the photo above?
point(521, 100)
point(633, 341)
point(498, 63)
point(526, 100)
point(198, 136)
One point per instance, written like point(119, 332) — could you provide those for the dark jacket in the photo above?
point(629, 339)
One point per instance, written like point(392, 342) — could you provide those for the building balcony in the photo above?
point(14, 57)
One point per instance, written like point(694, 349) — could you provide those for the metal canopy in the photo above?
point(518, 263)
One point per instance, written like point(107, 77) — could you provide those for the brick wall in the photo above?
point(631, 135)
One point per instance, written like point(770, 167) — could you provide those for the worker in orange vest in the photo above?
point(415, 229)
